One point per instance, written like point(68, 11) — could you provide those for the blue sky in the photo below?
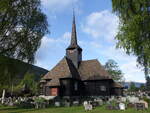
point(96, 29)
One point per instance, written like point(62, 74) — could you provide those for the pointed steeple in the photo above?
point(74, 43)
point(74, 52)
point(74, 34)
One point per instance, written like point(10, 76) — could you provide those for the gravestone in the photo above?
point(57, 104)
point(87, 106)
point(121, 106)
point(133, 99)
point(123, 99)
point(139, 106)
point(145, 103)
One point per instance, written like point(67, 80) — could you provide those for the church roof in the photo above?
point(53, 82)
point(88, 70)
point(64, 69)
point(92, 70)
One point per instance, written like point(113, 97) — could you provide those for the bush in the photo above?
point(147, 100)
point(25, 104)
point(40, 102)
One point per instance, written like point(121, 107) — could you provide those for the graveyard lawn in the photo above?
point(79, 109)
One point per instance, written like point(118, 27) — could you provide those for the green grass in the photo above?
point(79, 109)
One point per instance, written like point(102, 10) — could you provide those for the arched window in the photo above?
point(76, 86)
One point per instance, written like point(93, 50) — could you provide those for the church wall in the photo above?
point(117, 91)
point(47, 90)
point(76, 87)
point(70, 87)
point(65, 89)
point(97, 88)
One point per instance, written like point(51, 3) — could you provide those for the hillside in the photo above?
point(20, 68)
point(137, 84)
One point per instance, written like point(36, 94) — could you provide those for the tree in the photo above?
point(28, 83)
point(148, 83)
point(142, 87)
point(22, 26)
point(8, 72)
point(134, 29)
point(113, 69)
point(133, 87)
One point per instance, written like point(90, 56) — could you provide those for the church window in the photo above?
point(102, 88)
point(76, 86)
point(71, 51)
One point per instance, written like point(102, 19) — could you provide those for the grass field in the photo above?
point(79, 109)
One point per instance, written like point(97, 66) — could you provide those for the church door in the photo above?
point(54, 91)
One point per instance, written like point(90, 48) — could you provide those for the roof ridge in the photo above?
point(66, 59)
point(74, 69)
point(89, 60)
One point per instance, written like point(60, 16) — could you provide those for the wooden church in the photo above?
point(73, 76)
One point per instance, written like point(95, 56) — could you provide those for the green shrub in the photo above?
point(146, 99)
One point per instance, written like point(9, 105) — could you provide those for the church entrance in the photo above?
point(54, 91)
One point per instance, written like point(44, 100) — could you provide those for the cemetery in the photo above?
point(126, 104)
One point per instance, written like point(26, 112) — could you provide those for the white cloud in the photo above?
point(67, 35)
point(52, 50)
point(101, 25)
point(132, 72)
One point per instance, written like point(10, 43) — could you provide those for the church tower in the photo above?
point(74, 52)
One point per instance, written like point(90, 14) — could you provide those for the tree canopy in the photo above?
point(113, 69)
point(133, 87)
point(134, 29)
point(148, 83)
point(29, 83)
point(22, 26)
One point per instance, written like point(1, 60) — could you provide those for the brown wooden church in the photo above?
point(73, 76)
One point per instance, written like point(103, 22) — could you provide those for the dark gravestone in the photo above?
point(139, 106)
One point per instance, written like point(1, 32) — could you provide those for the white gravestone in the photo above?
point(87, 106)
point(121, 106)
point(3, 96)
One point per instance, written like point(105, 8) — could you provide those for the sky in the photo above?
point(96, 26)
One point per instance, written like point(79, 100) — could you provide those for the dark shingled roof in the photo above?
point(92, 70)
point(88, 70)
point(64, 69)
point(53, 82)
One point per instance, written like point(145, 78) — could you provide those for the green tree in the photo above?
point(148, 83)
point(113, 69)
point(22, 26)
point(134, 29)
point(133, 87)
point(29, 83)
point(8, 72)
point(142, 87)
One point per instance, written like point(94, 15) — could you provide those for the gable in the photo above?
point(92, 70)
point(61, 70)
point(64, 69)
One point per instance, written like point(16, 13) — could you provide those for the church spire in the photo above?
point(73, 34)
point(74, 43)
